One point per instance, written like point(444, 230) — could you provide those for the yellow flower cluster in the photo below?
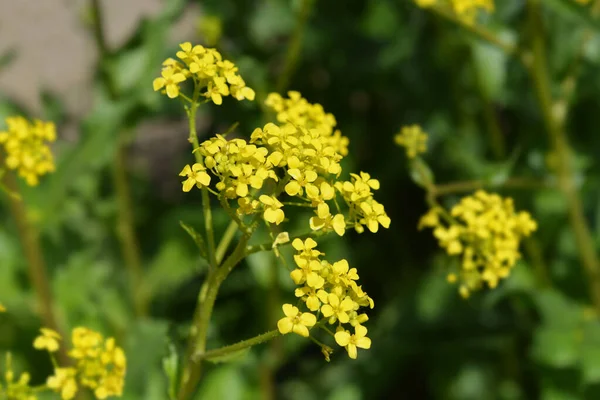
point(304, 162)
point(485, 231)
point(99, 364)
point(328, 290)
point(413, 139)
point(18, 389)
point(465, 9)
point(26, 147)
point(297, 111)
point(212, 76)
point(2, 308)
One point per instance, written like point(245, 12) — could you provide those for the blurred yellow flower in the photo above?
point(485, 231)
point(413, 139)
point(48, 340)
point(26, 147)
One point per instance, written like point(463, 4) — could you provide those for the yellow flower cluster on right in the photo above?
point(465, 9)
point(99, 364)
point(213, 77)
point(26, 147)
point(485, 232)
point(332, 291)
point(413, 139)
point(302, 159)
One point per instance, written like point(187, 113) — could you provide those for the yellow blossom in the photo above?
point(352, 342)
point(196, 176)
point(2, 308)
point(295, 321)
point(63, 381)
point(485, 232)
point(273, 212)
point(212, 76)
point(413, 139)
point(26, 147)
point(464, 9)
point(16, 389)
point(48, 340)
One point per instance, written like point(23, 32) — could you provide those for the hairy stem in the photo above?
point(553, 115)
point(198, 335)
point(244, 344)
point(126, 222)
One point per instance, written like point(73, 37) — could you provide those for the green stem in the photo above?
point(269, 246)
point(223, 351)
point(198, 335)
point(36, 265)
point(553, 116)
point(228, 236)
point(206, 210)
point(480, 33)
point(468, 186)
point(126, 234)
point(293, 51)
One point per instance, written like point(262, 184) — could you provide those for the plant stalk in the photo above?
point(553, 115)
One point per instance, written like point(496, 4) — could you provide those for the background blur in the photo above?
point(376, 65)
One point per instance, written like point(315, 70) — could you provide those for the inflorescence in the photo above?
point(485, 232)
point(26, 148)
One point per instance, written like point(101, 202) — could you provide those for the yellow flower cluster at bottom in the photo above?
point(99, 364)
point(18, 389)
point(331, 291)
point(485, 231)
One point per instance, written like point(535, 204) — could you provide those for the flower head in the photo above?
point(485, 232)
point(26, 147)
point(413, 139)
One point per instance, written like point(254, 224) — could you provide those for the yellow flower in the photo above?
point(26, 147)
point(351, 342)
point(273, 212)
point(212, 76)
point(2, 308)
point(338, 310)
point(196, 176)
point(295, 321)
point(413, 139)
point(63, 381)
point(485, 232)
point(48, 340)
point(170, 80)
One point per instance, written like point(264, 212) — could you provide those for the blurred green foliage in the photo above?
point(376, 65)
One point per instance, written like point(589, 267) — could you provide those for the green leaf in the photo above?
point(225, 382)
point(556, 346)
point(490, 66)
point(420, 173)
point(590, 352)
point(170, 364)
point(570, 10)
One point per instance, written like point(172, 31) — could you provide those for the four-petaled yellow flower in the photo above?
point(170, 80)
point(48, 340)
point(295, 321)
point(273, 212)
point(196, 176)
point(351, 342)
